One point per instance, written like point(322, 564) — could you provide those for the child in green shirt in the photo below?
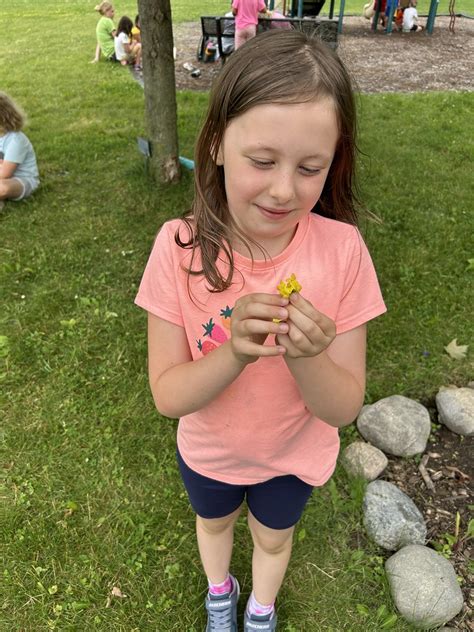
point(105, 32)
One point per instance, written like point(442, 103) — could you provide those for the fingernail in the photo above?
point(283, 301)
point(294, 297)
point(283, 328)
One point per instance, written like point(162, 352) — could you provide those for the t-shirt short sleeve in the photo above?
point(16, 149)
point(158, 292)
point(361, 298)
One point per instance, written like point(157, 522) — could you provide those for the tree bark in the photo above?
point(160, 88)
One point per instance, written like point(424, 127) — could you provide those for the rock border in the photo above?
point(397, 425)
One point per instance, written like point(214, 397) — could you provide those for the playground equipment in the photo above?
point(306, 7)
point(392, 4)
point(309, 8)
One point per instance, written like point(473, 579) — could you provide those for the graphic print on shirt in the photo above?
point(215, 333)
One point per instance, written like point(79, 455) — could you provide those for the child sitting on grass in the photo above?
point(19, 176)
point(126, 50)
point(105, 32)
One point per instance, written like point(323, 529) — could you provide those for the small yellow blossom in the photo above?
point(289, 286)
point(285, 288)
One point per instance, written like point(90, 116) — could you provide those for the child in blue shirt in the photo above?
point(19, 176)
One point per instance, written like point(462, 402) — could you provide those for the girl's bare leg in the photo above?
point(215, 540)
point(271, 554)
point(10, 188)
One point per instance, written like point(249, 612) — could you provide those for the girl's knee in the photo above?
point(272, 541)
point(214, 526)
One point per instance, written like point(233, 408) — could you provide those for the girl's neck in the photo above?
point(264, 249)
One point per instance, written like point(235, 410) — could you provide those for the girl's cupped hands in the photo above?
point(309, 331)
point(253, 320)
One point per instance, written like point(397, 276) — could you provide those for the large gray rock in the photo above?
point(363, 459)
point(397, 425)
point(456, 409)
point(391, 518)
point(423, 586)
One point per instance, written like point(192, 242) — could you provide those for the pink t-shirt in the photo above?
point(259, 426)
point(247, 12)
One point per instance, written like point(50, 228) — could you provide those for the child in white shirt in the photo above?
point(410, 18)
point(127, 51)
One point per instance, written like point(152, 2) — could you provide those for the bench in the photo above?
point(221, 29)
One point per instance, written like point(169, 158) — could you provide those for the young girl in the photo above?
point(127, 51)
point(246, 19)
point(136, 33)
point(19, 175)
point(261, 383)
point(410, 18)
point(105, 32)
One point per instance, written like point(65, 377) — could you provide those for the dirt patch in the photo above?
point(400, 62)
point(448, 464)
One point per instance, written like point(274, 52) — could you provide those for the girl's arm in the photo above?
point(181, 385)
point(7, 169)
point(329, 369)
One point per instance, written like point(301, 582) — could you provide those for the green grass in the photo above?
point(91, 496)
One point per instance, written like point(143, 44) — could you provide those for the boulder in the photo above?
point(396, 424)
point(391, 518)
point(423, 586)
point(363, 459)
point(456, 409)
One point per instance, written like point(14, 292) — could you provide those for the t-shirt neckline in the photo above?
point(241, 261)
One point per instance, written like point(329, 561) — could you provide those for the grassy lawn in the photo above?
point(91, 498)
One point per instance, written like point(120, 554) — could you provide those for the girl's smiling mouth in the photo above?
point(274, 213)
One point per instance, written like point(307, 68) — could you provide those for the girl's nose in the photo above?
point(282, 188)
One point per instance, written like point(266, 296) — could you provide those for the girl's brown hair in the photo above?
point(274, 67)
point(12, 118)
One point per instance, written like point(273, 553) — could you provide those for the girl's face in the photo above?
point(110, 13)
point(276, 159)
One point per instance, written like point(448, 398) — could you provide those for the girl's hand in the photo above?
point(252, 322)
point(310, 332)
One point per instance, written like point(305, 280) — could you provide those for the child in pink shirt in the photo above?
point(262, 380)
point(246, 19)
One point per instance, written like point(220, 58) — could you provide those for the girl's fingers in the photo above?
point(260, 306)
point(309, 319)
point(252, 349)
point(250, 327)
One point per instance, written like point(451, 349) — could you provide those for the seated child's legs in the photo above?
point(17, 188)
point(137, 52)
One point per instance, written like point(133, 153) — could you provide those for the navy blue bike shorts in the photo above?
point(277, 503)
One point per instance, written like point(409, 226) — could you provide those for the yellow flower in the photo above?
point(285, 288)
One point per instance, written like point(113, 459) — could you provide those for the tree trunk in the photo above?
point(160, 88)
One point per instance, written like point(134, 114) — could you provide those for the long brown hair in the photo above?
point(274, 67)
point(12, 118)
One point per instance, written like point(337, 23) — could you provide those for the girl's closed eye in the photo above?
point(310, 171)
point(261, 163)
